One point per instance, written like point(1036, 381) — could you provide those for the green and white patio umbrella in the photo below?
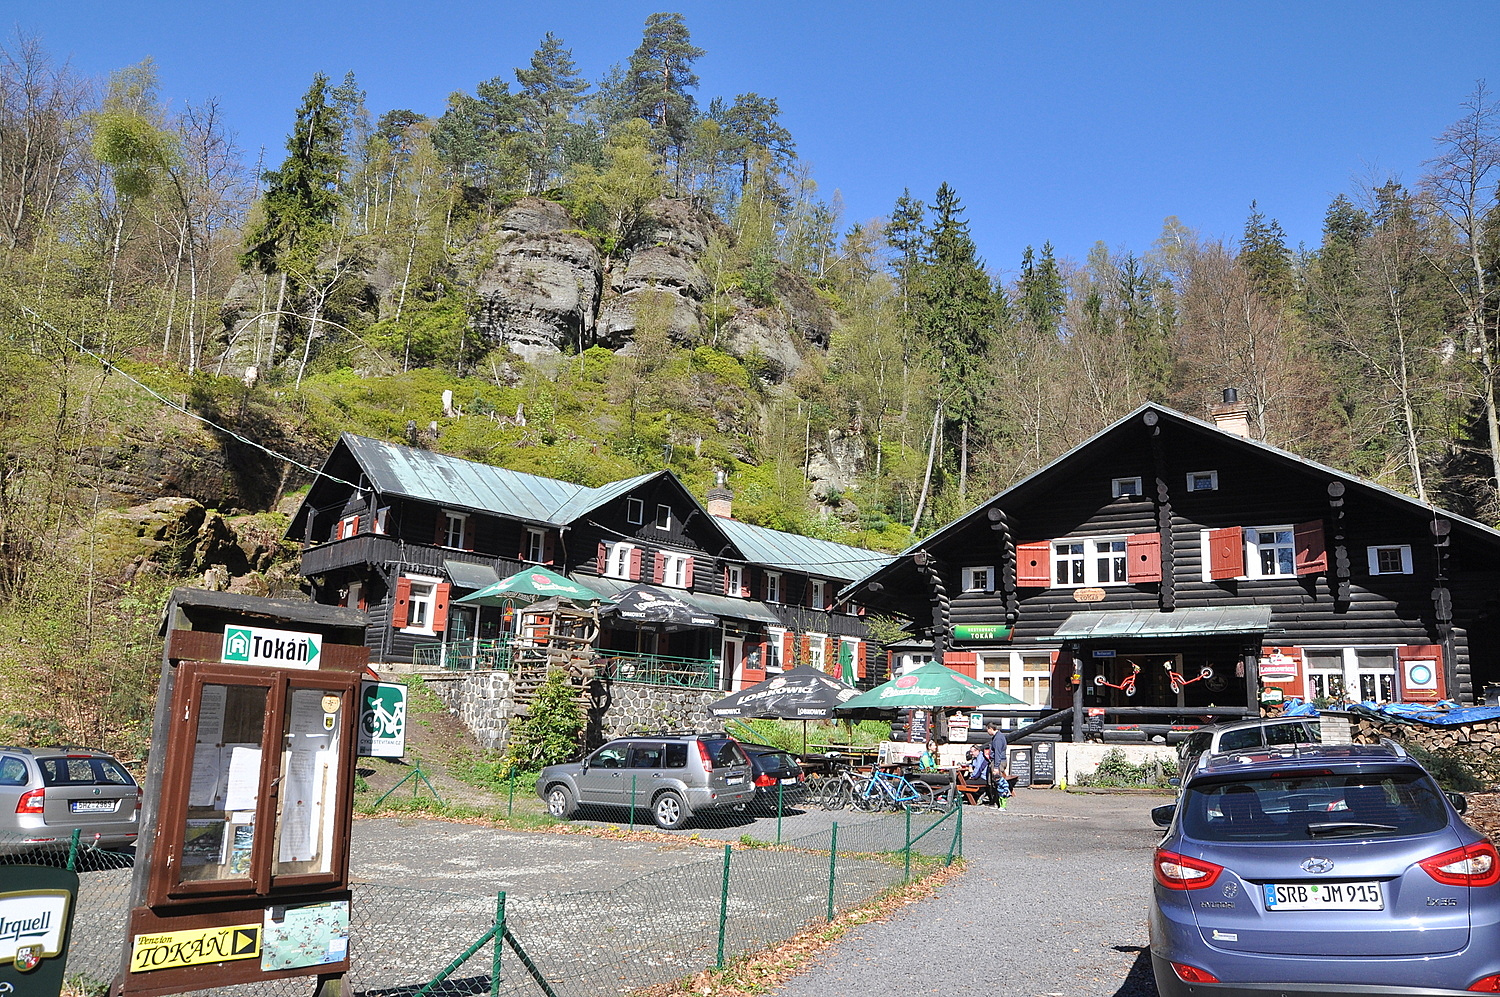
point(933, 686)
point(531, 583)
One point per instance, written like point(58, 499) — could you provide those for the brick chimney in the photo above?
point(721, 500)
point(1232, 416)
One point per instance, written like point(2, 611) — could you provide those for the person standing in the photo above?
point(998, 775)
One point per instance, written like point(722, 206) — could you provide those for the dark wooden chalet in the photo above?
point(400, 533)
point(1172, 563)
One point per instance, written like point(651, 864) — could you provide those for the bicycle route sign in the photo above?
point(382, 720)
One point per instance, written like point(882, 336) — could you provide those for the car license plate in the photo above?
point(734, 780)
point(1324, 896)
point(789, 782)
point(92, 806)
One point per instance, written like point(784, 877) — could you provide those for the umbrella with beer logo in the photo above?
point(932, 686)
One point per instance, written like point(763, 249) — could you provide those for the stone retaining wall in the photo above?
point(485, 702)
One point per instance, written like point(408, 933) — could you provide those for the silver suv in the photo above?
point(675, 776)
point(1245, 735)
point(45, 793)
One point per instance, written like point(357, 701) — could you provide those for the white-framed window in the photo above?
point(1027, 675)
point(536, 545)
point(635, 511)
point(1123, 487)
point(674, 570)
point(1360, 673)
point(1392, 560)
point(420, 603)
point(348, 526)
point(617, 565)
point(773, 586)
point(1203, 481)
point(663, 517)
point(774, 639)
point(980, 579)
point(816, 589)
point(1270, 551)
point(911, 661)
point(353, 594)
point(734, 575)
point(381, 516)
point(817, 650)
point(1089, 561)
point(453, 531)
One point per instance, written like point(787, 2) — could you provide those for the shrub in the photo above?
point(1116, 770)
point(550, 732)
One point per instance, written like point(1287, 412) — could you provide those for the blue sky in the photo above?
point(1071, 122)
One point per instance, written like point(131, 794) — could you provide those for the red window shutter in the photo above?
point(635, 564)
point(1143, 560)
point(471, 527)
point(861, 659)
point(402, 604)
point(1034, 564)
point(658, 567)
point(1226, 553)
point(786, 651)
point(687, 574)
point(745, 582)
point(1062, 681)
point(440, 529)
point(963, 662)
point(440, 608)
point(827, 594)
point(549, 547)
point(603, 562)
point(1312, 551)
point(522, 544)
point(1406, 677)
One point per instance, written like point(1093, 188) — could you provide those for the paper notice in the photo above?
point(204, 789)
point(299, 788)
point(242, 787)
point(211, 714)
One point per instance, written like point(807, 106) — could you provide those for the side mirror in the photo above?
point(1459, 801)
point(1162, 816)
point(1174, 781)
point(583, 764)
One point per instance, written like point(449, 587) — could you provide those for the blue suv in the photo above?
point(1321, 869)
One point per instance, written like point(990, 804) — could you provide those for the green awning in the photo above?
point(1149, 623)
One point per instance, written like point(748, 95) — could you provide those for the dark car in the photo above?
point(779, 778)
point(1321, 869)
point(48, 793)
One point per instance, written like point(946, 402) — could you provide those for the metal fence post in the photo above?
point(499, 944)
point(779, 789)
point(833, 858)
point(632, 803)
point(73, 850)
point(510, 807)
point(907, 850)
point(723, 907)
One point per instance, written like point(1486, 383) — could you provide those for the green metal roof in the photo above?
point(1140, 623)
point(791, 552)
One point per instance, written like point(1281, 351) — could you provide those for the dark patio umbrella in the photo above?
point(804, 693)
point(648, 604)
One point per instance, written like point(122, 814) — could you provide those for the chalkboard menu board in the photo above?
point(1020, 766)
point(1043, 762)
point(917, 726)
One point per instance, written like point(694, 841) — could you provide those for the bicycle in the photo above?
point(889, 791)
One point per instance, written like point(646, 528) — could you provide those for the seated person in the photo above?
point(929, 760)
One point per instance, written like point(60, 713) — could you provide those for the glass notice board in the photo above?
point(254, 794)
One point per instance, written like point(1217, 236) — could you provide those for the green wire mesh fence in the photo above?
point(715, 905)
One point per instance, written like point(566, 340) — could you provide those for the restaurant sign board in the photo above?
point(969, 631)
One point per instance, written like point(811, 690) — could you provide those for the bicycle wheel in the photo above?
point(864, 794)
point(928, 799)
point(836, 797)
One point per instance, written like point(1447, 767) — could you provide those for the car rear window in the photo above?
point(725, 751)
point(1313, 807)
point(83, 771)
point(776, 762)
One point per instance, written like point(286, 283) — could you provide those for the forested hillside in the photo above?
point(620, 274)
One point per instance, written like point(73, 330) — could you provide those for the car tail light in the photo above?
point(708, 763)
point(1472, 865)
point(1192, 974)
point(1178, 872)
point(1486, 985)
point(32, 802)
point(764, 781)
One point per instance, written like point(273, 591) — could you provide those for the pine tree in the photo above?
point(658, 80)
point(1265, 257)
point(550, 92)
point(1042, 295)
